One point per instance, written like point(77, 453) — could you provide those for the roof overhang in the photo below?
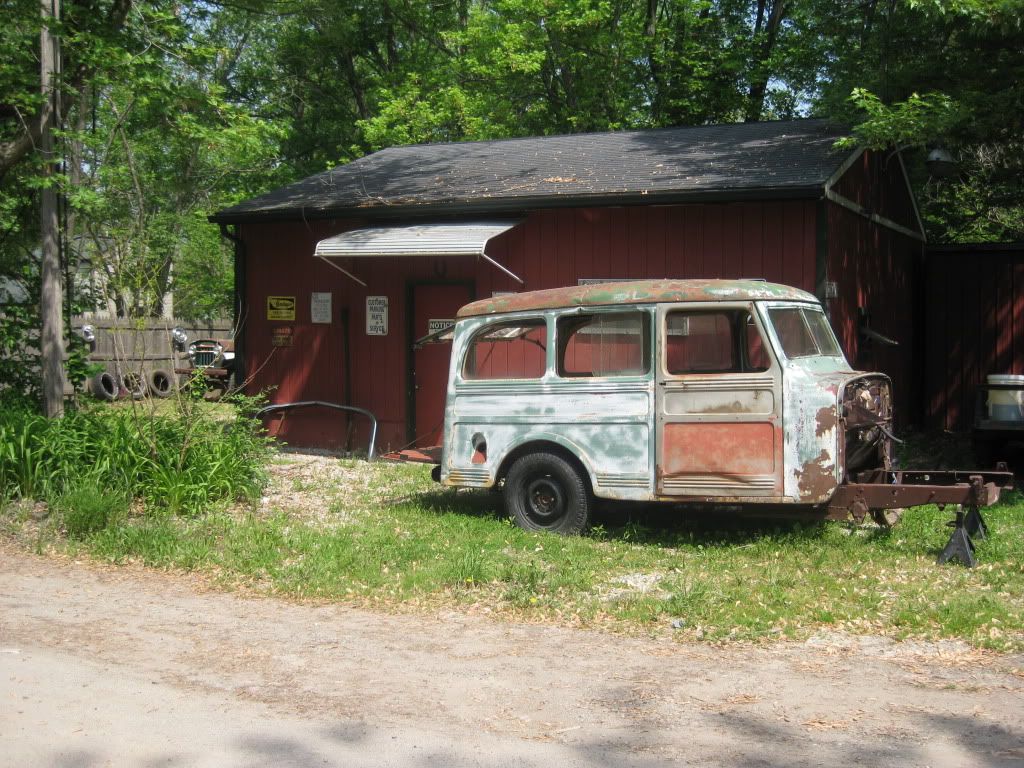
point(465, 238)
point(518, 205)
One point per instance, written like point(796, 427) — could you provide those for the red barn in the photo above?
point(338, 274)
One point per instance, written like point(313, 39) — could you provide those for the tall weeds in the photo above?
point(181, 463)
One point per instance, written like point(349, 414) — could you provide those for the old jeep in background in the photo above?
point(212, 359)
point(721, 393)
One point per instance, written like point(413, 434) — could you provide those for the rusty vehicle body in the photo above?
point(712, 392)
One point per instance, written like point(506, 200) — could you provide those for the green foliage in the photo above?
point(204, 277)
point(20, 359)
point(86, 509)
point(151, 145)
point(938, 73)
point(182, 463)
point(154, 149)
point(174, 110)
point(912, 122)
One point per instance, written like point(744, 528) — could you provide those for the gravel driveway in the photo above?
point(126, 666)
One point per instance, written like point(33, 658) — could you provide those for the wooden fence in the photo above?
point(143, 345)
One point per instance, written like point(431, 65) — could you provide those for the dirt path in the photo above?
point(338, 686)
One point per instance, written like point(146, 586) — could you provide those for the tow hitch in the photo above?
point(880, 490)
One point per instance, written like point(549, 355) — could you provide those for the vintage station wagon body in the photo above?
point(710, 391)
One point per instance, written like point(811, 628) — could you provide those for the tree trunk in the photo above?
point(763, 43)
point(51, 296)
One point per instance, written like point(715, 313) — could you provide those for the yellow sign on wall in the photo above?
point(280, 307)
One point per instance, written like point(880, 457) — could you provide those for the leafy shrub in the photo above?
point(182, 463)
point(87, 510)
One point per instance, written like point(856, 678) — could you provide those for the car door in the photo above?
point(718, 405)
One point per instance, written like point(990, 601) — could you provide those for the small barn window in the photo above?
point(510, 350)
point(604, 344)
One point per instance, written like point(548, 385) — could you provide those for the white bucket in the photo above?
point(1006, 404)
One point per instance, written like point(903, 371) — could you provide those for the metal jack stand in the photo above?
point(975, 524)
point(960, 547)
point(967, 525)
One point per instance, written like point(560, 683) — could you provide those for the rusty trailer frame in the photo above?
point(896, 489)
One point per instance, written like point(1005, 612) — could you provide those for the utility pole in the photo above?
point(51, 296)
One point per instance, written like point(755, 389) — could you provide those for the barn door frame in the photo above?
point(410, 337)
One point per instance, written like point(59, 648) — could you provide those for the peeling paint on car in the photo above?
point(816, 479)
point(636, 292)
point(806, 433)
point(826, 420)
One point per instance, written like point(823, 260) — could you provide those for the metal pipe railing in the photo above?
point(371, 451)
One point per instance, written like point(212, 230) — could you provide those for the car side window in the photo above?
point(717, 341)
point(509, 350)
point(604, 344)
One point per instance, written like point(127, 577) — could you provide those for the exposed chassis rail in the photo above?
point(889, 489)
point(883, 489)
point(370, 451)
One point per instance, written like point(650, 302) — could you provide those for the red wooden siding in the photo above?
point(876, 269)
point(551, 248)
point(876, 183)
point(974, 320)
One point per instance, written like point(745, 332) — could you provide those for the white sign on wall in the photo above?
point(320, 307)
point(435, 325)
point(376, 315)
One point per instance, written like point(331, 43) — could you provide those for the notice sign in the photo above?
point(376, 315)
point(281, 336)
point(433, 326)
point(280, 307)
point(320, 307)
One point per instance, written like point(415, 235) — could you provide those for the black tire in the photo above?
point(104, 386)
point(544, 492)
point(161, 383)
point(134, 384)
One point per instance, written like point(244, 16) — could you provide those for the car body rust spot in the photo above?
point(816, 479)
point(826, 420)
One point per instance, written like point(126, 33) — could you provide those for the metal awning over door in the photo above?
point(468, 238)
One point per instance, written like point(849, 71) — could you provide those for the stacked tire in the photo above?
point(105, 386)
point(135, 385)
point(161, 383)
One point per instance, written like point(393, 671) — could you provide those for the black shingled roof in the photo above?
point(739, 161)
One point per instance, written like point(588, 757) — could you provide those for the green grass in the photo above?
point(406, 544)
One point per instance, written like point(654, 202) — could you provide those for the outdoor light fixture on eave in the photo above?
point(941, 164)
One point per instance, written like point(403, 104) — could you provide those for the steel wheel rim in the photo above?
point(545, 500)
